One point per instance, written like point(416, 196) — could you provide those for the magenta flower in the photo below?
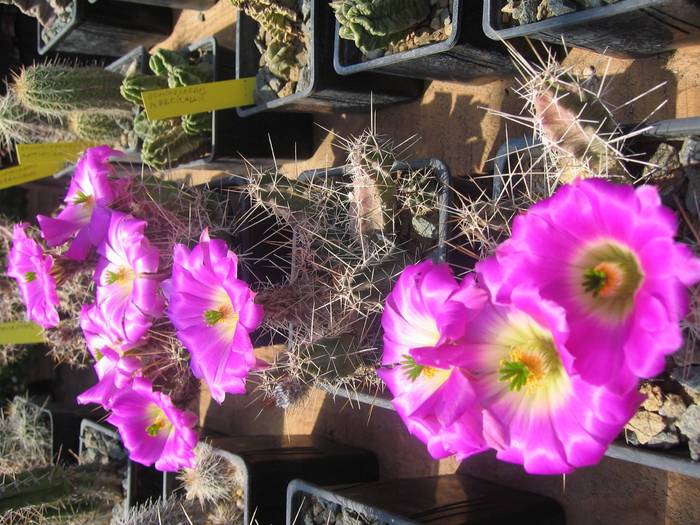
point(127, 287)
point(538, 411)
point(99, 333)
point(152, 429)
point(428, 310)
point(213, 313)
point(115, 372)
point(83, 218)
point(33, 271)
point(606, 254)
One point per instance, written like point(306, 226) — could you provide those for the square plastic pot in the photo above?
point(110, 27)
point(286, 136)
point(628, 28)
point(326, 91)
point(444, 500)
point(142, 483)
point(268, 463)
point(466, 55)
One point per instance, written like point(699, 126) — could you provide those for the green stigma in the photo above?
point(81, 198)
point(152, 430)
point(515, 373)
point(213, 316)
point(29, 277)
point(98, 355)
point(594, 280)
point(412, 369)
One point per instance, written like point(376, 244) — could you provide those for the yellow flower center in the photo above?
point(609, 277)
point(124, 275)
point(223, 314)
point(160, 421)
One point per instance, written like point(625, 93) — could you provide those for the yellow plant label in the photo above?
point(27, 173)
point(51, 152)
point(199, 98)
point(20, 333)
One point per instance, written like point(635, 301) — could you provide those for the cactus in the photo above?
point(530, 11)
point(84, 492)
point(347, 250)
point(43, 10)
point(163, 61)
point(19, 125)
point(277, 18)
point(169, 147)
point(96, 127)
point(59, 90)
point(133, 85)
point(374, 24)
point(198, 124)
point(190, 75)
point(25, 438)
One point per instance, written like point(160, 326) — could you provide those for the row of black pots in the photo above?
point(280, 474)
point(628, 28)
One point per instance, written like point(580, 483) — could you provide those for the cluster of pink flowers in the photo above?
point(539, 358)
point(209, 309)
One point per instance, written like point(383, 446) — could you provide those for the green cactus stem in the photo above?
point(198, 124)
point(170, 147)
point(100, 128)
point(135, 84)
point(277, 18)
point(163, 61)
point(374, 24)
point(54, 89)
point(19, 125)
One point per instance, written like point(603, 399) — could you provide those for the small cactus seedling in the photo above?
point(56, 89)
point(375, 24)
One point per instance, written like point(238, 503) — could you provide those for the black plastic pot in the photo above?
point(443, 500)
point(195, 5)
point(142, 483)
point(268, 463)
point(122, 64)
point(66, 422)
point(628, 28)
point(284, 135)
point(326, 91)
point(111, 27)
point(467, 54)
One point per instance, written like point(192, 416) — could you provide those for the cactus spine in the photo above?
point(21, 125)
point(58, 90)
point(99, 128)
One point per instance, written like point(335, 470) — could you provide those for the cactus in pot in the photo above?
point(58, 90)
point(19, 125)
point(374, 24)
point(100, 128)
point(350, 238)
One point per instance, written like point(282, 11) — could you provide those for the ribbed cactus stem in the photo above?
point(163, 61)
point(580, 128)
point(373, 206)
point(169, 147)
point(134, 85)
point(374, 24)
point(285, 304)
point(332, 357)
point(55, 89)
point(19, 125)
point(278, 18)
point(281, 194)
point(104, 129)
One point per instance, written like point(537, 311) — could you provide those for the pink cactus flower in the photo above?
point(33, 270)
point(100, 333)
point(115, 371)
point(538, 411)
point(428, 310)
point(153, 429)
point(606, 254)
point(84, 219)
point(213, 313)
point(127, 285)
